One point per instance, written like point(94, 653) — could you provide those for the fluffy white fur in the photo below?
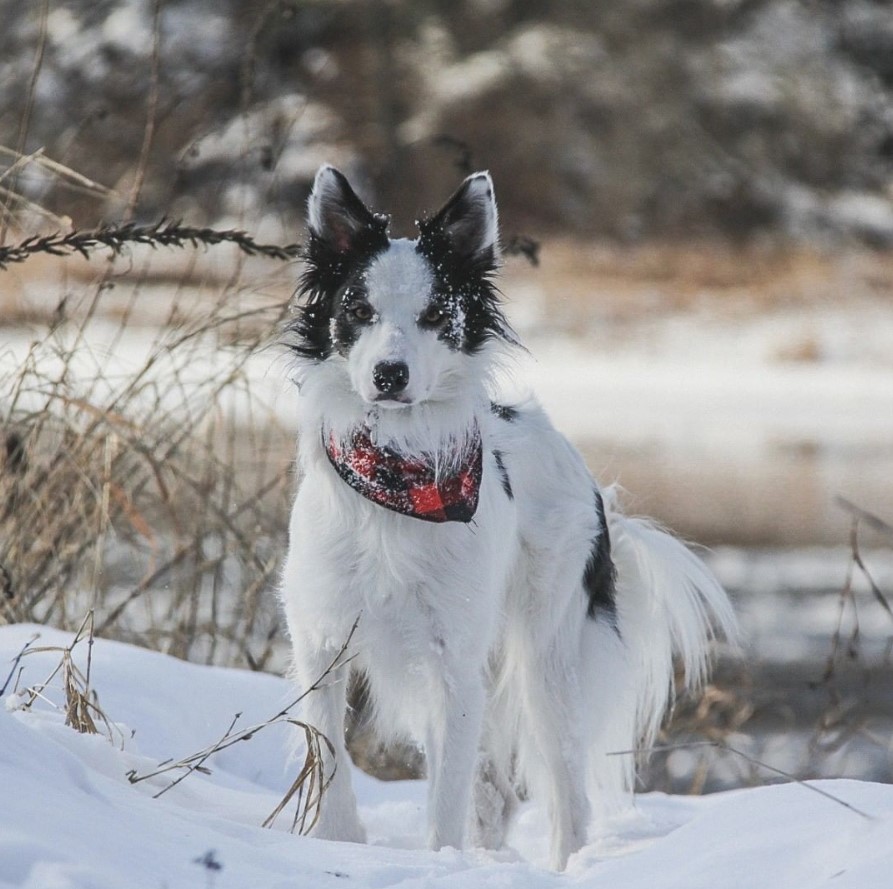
point(475, 638)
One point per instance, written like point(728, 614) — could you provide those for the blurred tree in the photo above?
point(629, 119)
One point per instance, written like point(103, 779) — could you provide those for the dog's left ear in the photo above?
point(469, 220)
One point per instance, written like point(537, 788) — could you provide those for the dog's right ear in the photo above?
point(343, 231)
point(336, 216)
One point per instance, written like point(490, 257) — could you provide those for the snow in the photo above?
point(291, 122)
point(129, 28)
point(70, 818)
point(698, 401)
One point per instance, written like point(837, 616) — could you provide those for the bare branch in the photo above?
point(151, 113)
point(163, 233)
point(723, 745)
point(870, 519)
point(312, 769)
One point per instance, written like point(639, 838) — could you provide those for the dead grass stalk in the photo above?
point(141, 474)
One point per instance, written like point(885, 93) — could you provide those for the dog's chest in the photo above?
point(402, 564)
point(419, 586)
point(414, 606)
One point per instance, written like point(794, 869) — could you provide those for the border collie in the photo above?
point(511, 619)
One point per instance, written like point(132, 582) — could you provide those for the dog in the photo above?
point(511, 619)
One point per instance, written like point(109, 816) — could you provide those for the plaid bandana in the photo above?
point(410, 485)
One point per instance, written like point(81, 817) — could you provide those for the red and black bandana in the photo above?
point(410, 485)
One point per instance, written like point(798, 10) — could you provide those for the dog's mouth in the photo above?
point(393, 401)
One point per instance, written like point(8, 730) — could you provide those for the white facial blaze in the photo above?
point(399, 285)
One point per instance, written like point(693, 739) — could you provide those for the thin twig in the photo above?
point(874, 522)
point(723, 745)
point(16, 197)
point(71, 178)
point(21, 161)
point(25, 122)
point(151, 113)
point(198, 764)
point(195, 761)
point(15, 662)
point(860, 564)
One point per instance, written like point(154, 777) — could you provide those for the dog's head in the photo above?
point(401, 316)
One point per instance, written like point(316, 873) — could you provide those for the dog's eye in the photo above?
point(360, 311)
point(433, 315)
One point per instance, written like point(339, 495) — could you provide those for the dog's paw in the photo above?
point(345, 828)
point(565, 844)
point(493, 813)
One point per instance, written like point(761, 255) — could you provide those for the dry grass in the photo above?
point(82, 708)
point(835, 716)
point(309, 786)
point(128, 485)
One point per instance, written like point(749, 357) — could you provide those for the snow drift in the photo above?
point(70, 818)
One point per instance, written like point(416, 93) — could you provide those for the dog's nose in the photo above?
point(390, 377)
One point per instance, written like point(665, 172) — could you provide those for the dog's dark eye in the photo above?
point(433, 315)
point(360, 311)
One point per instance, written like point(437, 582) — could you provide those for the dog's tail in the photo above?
point(669, 610)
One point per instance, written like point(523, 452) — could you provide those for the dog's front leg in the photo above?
point(324, 709)
point(451, 751)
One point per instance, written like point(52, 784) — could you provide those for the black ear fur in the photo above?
point(344, 234)
point(469, 220)
point(461, 242)
point(336, 215)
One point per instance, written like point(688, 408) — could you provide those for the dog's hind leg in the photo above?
point(553, 751)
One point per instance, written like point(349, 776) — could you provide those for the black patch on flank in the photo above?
point(464, 283)
point(503, 475)
point(504, 412)
point(328, 275)
point(600, 575)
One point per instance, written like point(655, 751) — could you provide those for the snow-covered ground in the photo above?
point(70, 819)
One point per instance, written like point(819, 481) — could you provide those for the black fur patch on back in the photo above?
point(327, 273)
point(600, 575)
point(466, 281)
point(504, 412)
point(504, 475)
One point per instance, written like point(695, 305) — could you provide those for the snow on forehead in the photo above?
point(399, 274)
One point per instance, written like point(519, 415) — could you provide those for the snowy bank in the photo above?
point(71, 818)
